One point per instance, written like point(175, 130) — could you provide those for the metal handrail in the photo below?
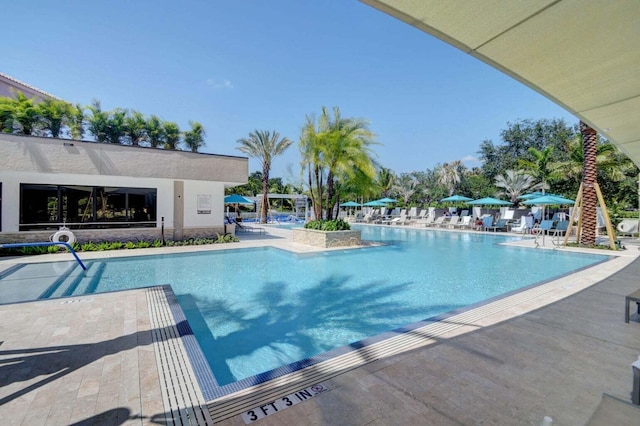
point(47, 244)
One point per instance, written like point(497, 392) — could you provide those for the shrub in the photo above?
point(328, 225)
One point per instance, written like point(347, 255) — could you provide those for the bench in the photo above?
point(633, 297)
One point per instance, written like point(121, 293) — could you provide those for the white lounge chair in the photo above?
point(465, 222)
point(453, 221)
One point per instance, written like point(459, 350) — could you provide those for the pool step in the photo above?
point(77, 281)
point(60, 282)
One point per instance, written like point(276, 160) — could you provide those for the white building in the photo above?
point(110, 192)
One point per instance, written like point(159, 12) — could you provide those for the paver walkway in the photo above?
point(87, 359)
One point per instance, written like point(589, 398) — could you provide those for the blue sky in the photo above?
point(237, 66)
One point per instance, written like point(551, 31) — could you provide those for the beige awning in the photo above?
point(582, 54)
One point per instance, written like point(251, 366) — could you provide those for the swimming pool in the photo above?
point(255, 310)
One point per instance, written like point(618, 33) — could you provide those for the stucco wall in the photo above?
point(35, 160)
point(48, 155)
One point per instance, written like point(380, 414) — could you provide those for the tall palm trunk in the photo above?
point(589, 176)
point(265, 194)
point(330, 191)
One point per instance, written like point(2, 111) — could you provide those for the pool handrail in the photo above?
point(46, 244)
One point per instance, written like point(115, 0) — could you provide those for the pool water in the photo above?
point(254, 310)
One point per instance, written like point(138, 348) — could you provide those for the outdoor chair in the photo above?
point(437, 222)
point(560, 228)
point(500, 225)
point(543, 227)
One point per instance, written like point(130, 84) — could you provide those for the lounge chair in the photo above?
point(543, 227)
point(526, 223)
point(403, 219)
point(437, 222)
point(487, 222)
point(413, 213)
point(420, 217)
point(443, 222)
point(453, 221)
point(560, 228)
point(500, 225)
point(427, 221)
point(465, 222)
point(240, 228)
point(628, 227)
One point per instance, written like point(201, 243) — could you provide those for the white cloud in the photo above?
point(470, 159)
point(217, 84)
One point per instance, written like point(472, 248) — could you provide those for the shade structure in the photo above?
point(548, 200)
point(350, 204)
point(489, 201)
point(542, 43)
point(376, 203)
point(387, 200)
point(237, 199)
point(455, 198)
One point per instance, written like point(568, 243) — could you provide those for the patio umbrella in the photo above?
point(237, 199)
point(387, 200)
point(536, 194)
point(350, 204)
point(489, 201)
point(548, 200)
point(455, 198)
point(376, 203)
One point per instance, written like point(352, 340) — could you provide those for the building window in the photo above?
point(86, 207)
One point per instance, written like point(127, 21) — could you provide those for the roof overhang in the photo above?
point(585, 56)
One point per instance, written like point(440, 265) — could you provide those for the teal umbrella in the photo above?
point(489, 201)
point(237, 199)
point(536, 194)
point(455, 198)
point(387, 200)
point(350, 204)
point(548, 200)
point(376, 203)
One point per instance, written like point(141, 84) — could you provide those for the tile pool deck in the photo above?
point(108, 359)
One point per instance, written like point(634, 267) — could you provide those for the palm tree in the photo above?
point(194, 138)
point(406, 185)
point(98, 121)
point(345, 150)
point(171, 135)
point(155, 131)
point(608, 161)
point(541, 165)
point(25, 114)
point(515, 183)
point(54, 114)
point(115, 130)
point(309, 146)
point(135, 127)
point(76, 121)
point(589, 176)
point(6, 114)
point(385, 181)
point(449, 175)
point(264, 146)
